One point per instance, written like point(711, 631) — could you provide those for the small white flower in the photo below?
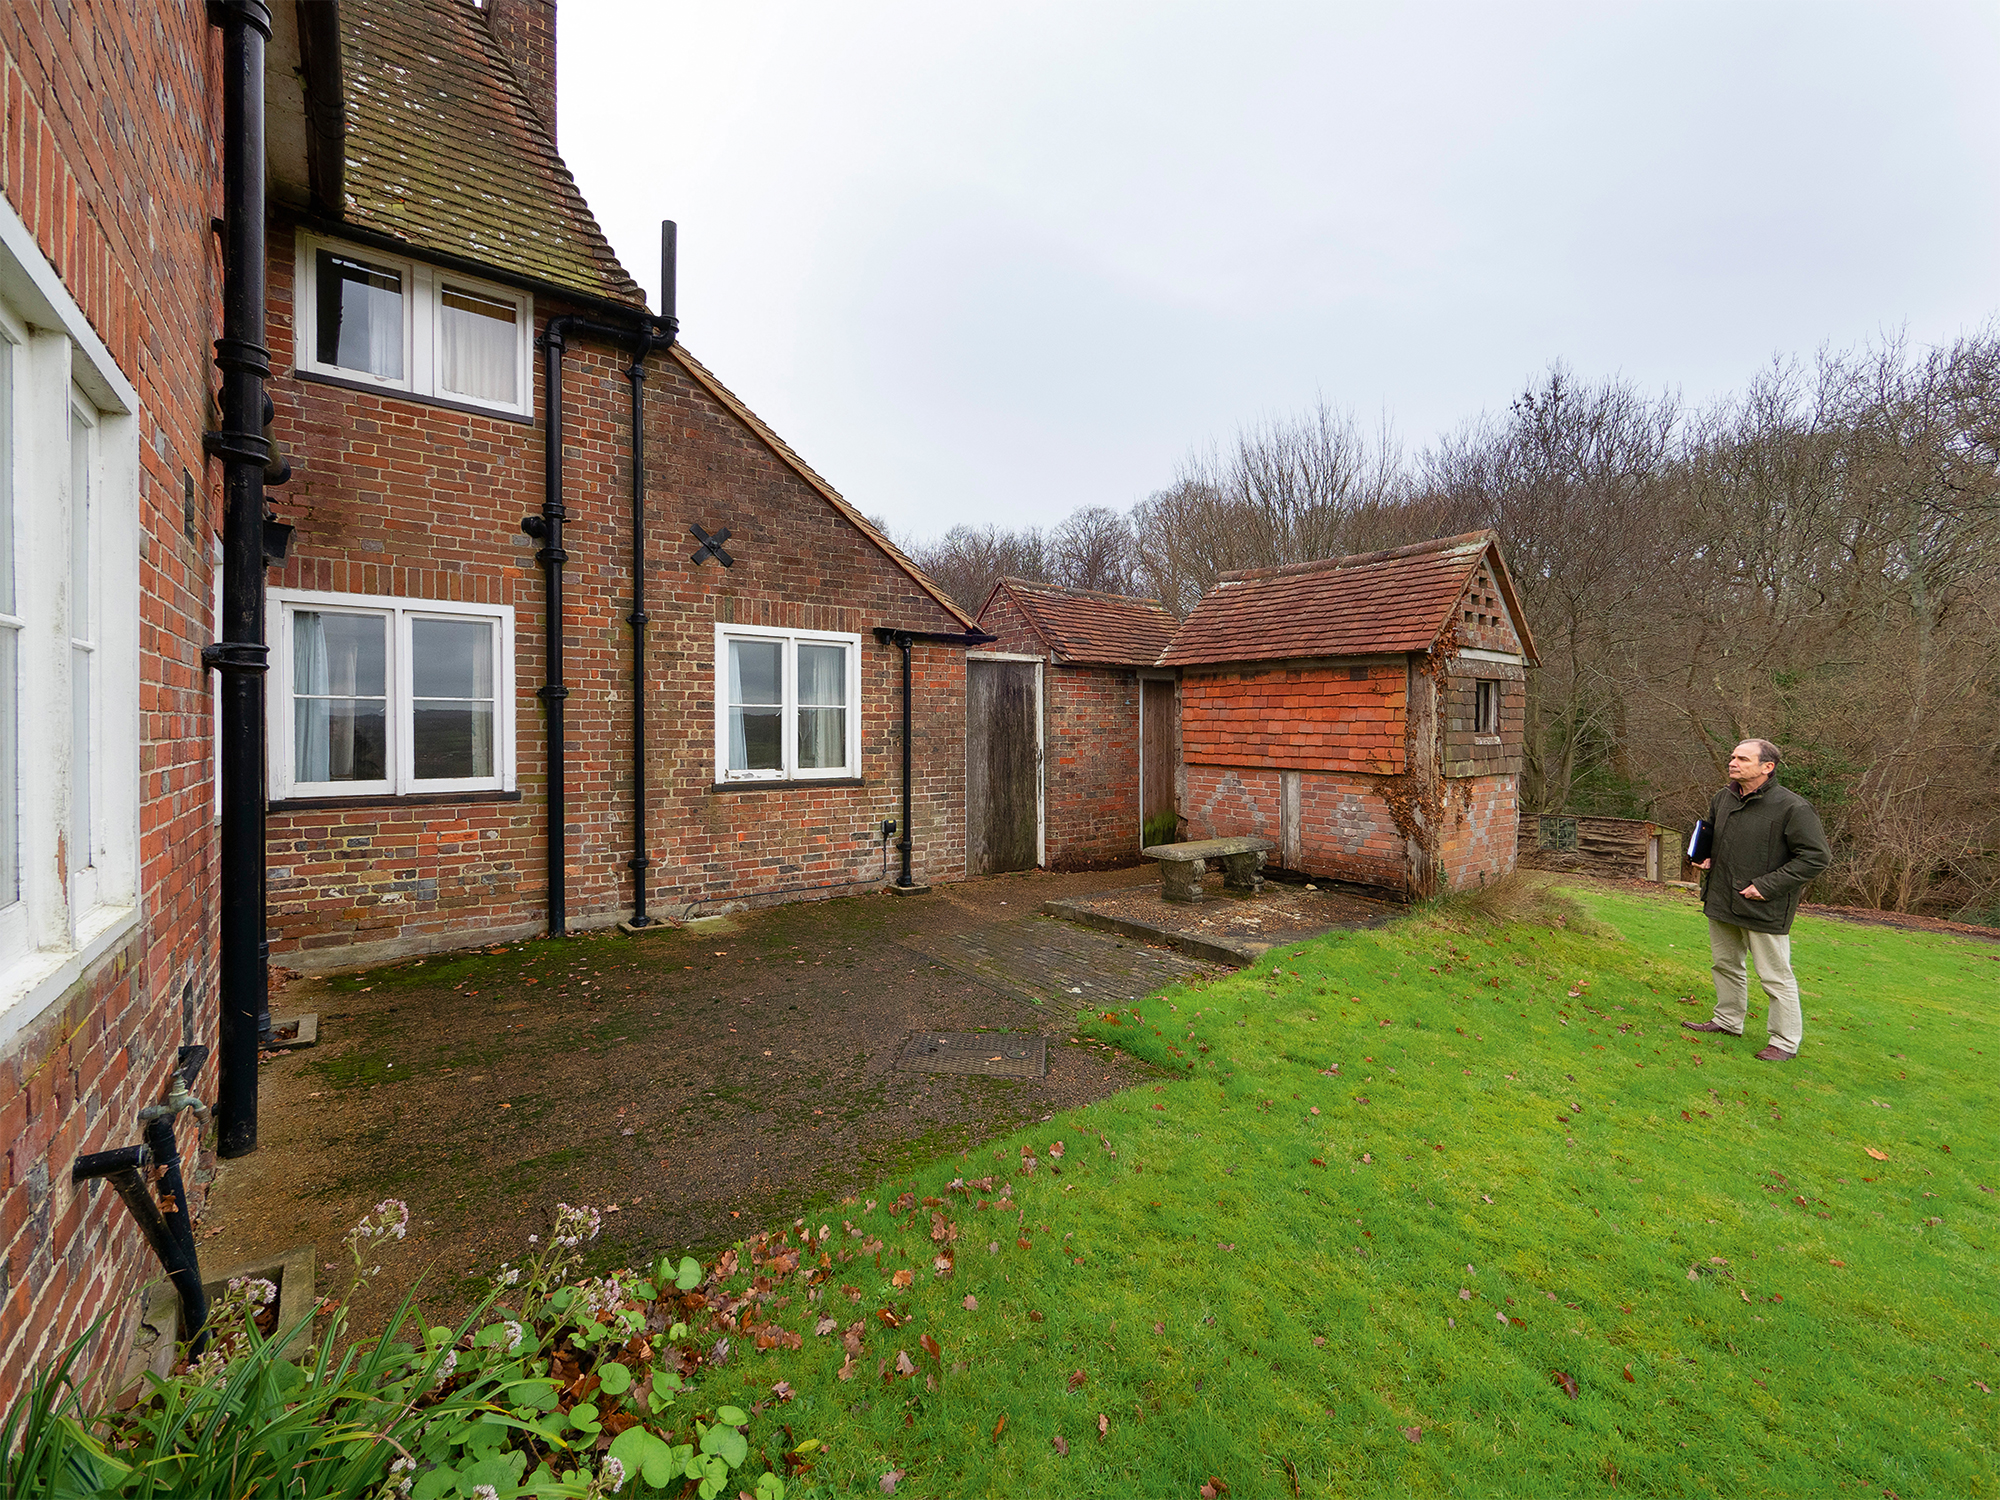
point(448, 1365)
point(534, 1239)
point(485, 1492)
point(510, 1276)
point(514, 1335)
point(616, 1471)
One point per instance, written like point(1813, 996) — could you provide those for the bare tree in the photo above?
point(1092, 549)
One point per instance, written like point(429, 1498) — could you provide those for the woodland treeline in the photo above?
point(1815, 559)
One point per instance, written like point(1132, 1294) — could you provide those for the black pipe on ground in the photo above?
point(167, 1225)
point(241, 654)
point(903, 640)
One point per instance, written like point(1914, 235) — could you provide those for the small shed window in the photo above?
point(1486, 706)
point(1557, 834)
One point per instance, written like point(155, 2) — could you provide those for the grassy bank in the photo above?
point(1446, 1212)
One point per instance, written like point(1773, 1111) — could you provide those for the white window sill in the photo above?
point(36, 981)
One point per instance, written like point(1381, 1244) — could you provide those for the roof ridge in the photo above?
point(787, 455)
point(1361, 559)
point(1082, 593)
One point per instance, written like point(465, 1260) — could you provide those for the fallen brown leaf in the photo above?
point(1103, 1426)
point(931, 1347)
point(903, 1277)
point(846, 1370)
point(1414, 1434)
point(1878, 1155)
point(999, 1427)
point(904, 1366)
point(1566, 1380)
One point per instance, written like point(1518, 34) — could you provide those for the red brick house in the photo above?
point(751, 754)
point(1106, 715)
point(111, 169)
point(1366, 713)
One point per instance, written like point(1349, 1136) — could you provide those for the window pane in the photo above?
point(343, 655)
point(454, 738)
point(755, 739)
point(822, 675)
point(340, 696)
point(6, 479)
point(79, 528)
point(822, 738)
point(341, 739)
point(452, 658)
point(479, 353)
point(360, 315)
point(754, 673)
point(80, 841)
point(10, 791)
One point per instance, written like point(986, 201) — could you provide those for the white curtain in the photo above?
point(360, 316)
point(822, 707)
point(311, 675)
point(480, 350)
point(755, 705)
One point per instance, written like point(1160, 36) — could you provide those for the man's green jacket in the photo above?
point(1770, 839)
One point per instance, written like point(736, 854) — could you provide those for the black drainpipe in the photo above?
point(644, 337)
point(240, 656)
point(903, 639)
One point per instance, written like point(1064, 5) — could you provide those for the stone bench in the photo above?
point(1183, 865)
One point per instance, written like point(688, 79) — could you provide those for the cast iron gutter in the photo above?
point(241, 654)
point(903, 639)
point(644, 334)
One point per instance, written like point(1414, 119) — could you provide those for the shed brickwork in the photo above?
point(1366, 713)
point(1096, 645)
point(110, 170)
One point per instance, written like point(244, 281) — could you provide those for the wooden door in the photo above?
point(1003, 772)
point(1157, 762)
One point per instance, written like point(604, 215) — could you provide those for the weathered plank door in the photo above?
point(1157, 762)
point(1003, 772)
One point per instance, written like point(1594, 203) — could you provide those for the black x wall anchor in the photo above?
point(711, 546)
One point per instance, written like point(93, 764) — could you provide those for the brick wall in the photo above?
point(1321, 716)
point(1345, 828)
point(1467, 752)
point(394, 496)
point(1480, 829)
point(110, 157)
point(1091, 783)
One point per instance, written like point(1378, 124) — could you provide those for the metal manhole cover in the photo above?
point(989, 1054)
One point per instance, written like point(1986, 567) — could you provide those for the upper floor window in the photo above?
point(407, 326)
point(787, 704)
point(377, 696)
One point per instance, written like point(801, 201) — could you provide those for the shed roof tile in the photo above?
point(1090, 628)
point(1364, 605)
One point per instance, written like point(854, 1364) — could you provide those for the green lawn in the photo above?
point(1406, 1177)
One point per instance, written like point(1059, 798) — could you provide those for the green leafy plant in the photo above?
point(576, 1392)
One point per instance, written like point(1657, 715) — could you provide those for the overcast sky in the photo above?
point(991, 262)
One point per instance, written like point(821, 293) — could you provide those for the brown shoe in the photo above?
point(1708, 1026)
point(1775, 1053)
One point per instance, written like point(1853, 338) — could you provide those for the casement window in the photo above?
point(1486, 706)
point(69, 638)
point(381, 697)
point(787, 704)
point(402, 325)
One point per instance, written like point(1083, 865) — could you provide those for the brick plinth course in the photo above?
point(110, 157)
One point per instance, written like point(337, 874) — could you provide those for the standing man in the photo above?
point(1767, 845)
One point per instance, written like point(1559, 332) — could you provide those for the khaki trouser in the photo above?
point(1772, 953)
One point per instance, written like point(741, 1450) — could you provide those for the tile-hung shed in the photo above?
point(485, 726)
point(1070, 675)
point(1366, 713)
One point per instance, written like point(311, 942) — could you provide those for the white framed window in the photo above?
point(403, 325)
point(69, 638)
point(376, 696)
point(787, 704)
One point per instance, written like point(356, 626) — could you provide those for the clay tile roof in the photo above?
point(1374, 602)
point(1090, 628)
point(445, 152)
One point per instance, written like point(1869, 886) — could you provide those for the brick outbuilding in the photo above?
point(1109, 718)
point(413, 686)
point(1366, 713)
